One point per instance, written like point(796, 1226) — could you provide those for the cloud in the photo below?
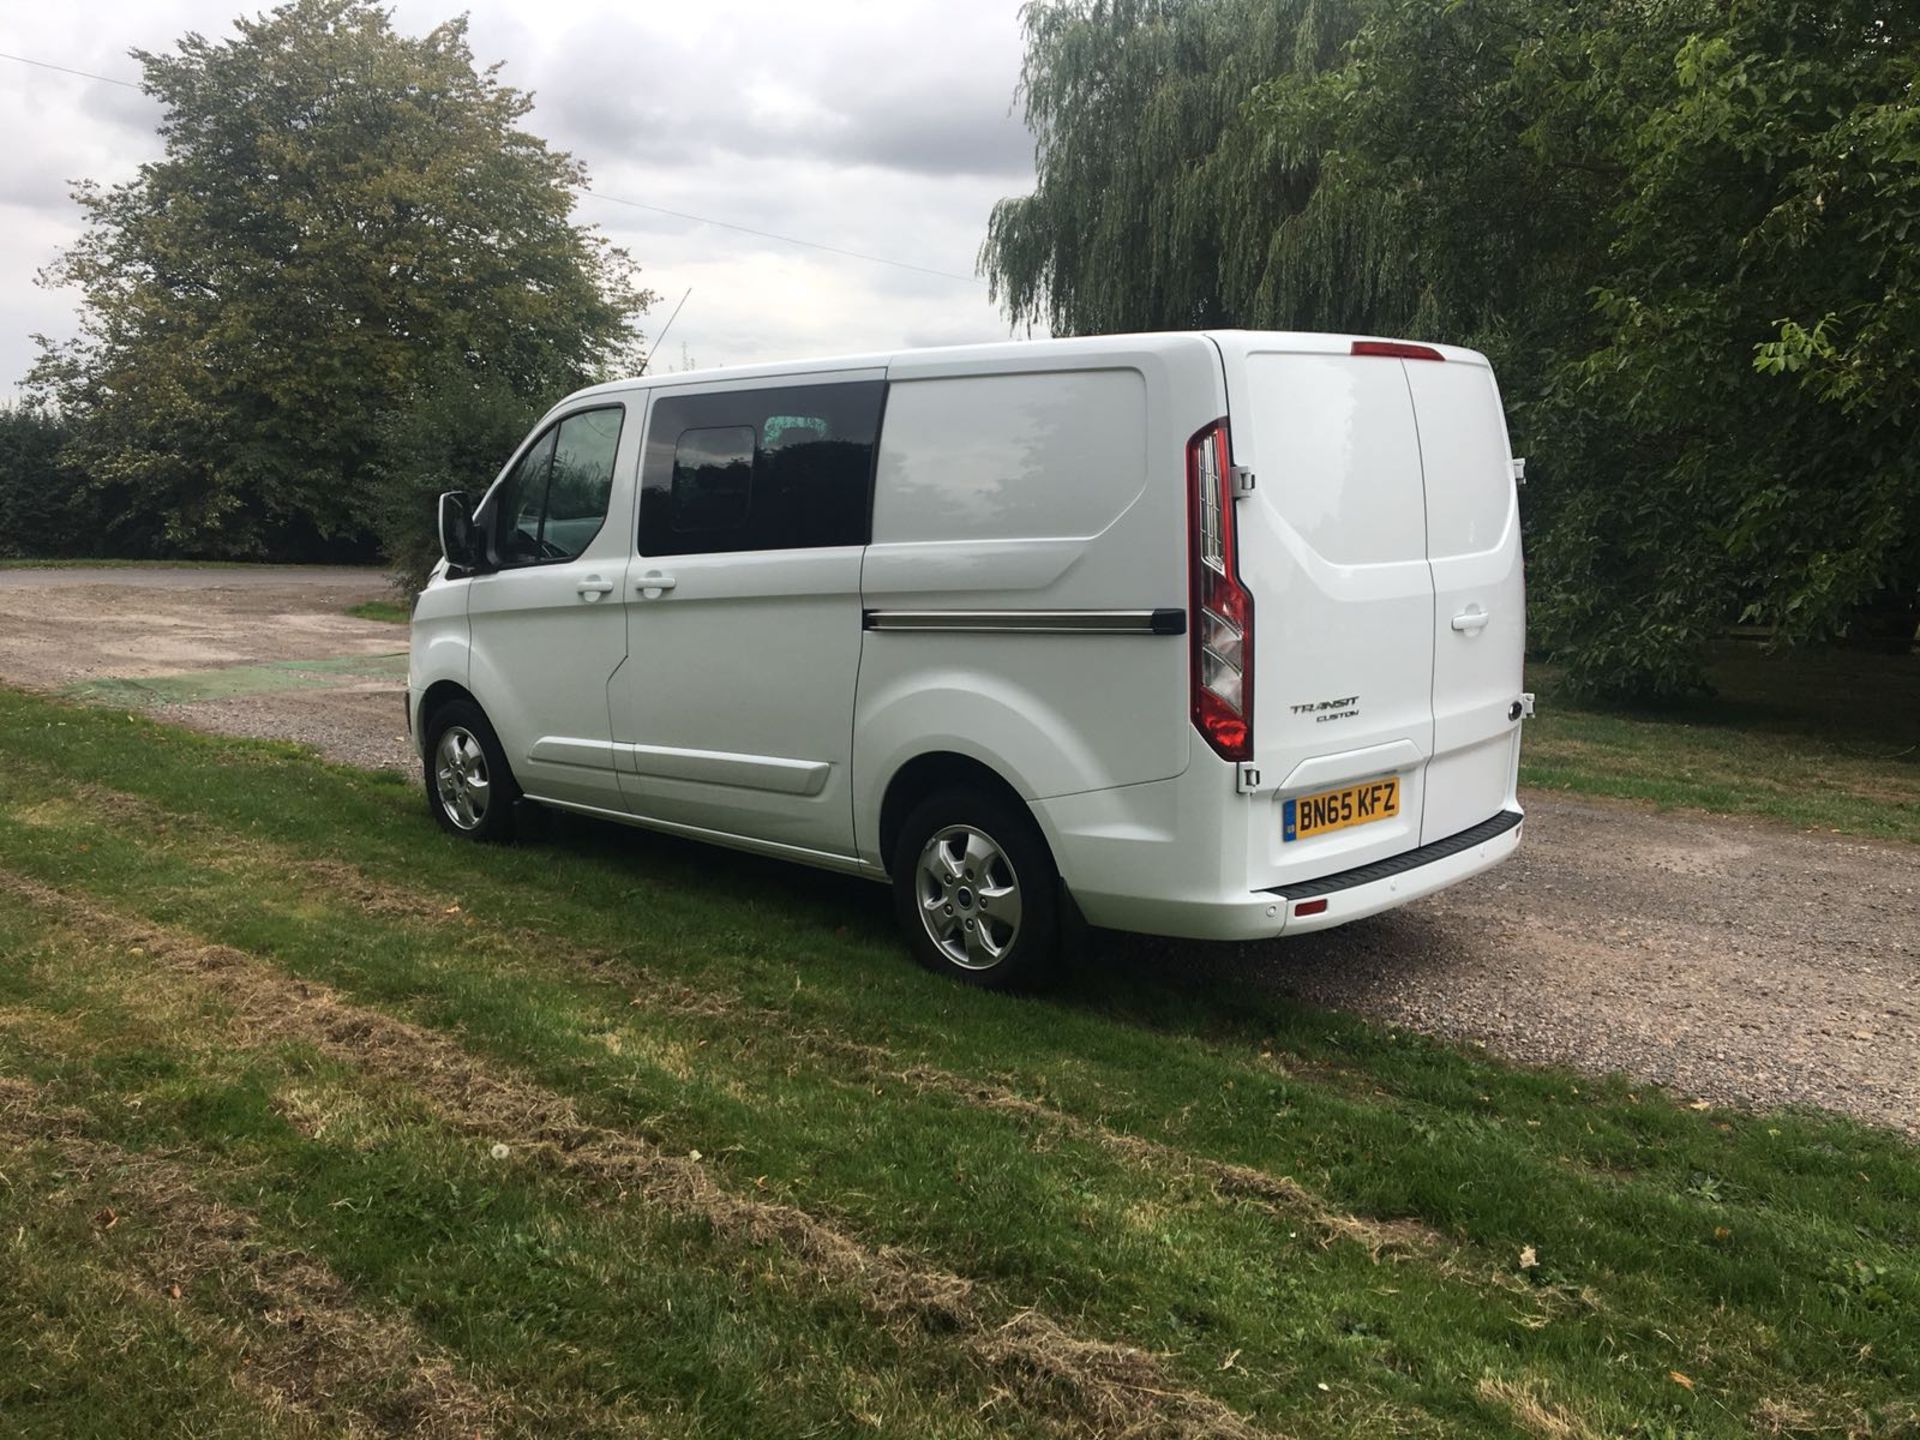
point(919, 94)
point(882, 128)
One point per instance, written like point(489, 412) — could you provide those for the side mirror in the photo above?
point(459, 540)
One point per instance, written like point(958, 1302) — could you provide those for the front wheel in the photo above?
point(974, 888)
point(470, 790)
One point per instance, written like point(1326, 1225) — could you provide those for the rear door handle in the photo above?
point(653, 584)
point(593, 587)
point(1470, 620)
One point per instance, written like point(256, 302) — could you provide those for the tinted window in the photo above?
point(781, 468)
point(555, 501)
point(712, 480)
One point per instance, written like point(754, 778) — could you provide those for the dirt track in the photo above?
point(267, 651)
point(1735, 960)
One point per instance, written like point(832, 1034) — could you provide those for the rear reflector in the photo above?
point(1310, 907)
point(1396, 350)
point(1222, 670)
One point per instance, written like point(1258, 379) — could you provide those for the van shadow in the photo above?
point(1254, 989)
point(1205, 989)
point(716, 874)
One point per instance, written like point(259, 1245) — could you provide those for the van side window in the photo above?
point(712, 480)
point(778, 468)
point(555, 501)
point(521, 504)
point(582, 480)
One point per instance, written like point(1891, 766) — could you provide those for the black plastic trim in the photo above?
point(1400, 864)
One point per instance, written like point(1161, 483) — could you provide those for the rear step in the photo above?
point(1400, 864)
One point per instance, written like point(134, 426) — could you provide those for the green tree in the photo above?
point(44, 510)
point(343, 217)
point(1678, 227)
point(462, 425)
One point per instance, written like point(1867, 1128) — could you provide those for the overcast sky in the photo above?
point(880, 126)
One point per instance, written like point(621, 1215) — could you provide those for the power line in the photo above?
point(612, 199)
point(69, 70)
point(786, 239)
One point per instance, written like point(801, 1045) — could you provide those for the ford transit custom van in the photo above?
point(1214, 635)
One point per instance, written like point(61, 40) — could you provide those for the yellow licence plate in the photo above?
point(1337, 809)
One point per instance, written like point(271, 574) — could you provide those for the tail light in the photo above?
point(1222, 679)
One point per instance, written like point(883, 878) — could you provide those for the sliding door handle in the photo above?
point(653, 584)
point(1471, 620)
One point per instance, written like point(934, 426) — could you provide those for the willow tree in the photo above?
point(345, 222)
point(1683, 229)
point(1139, 109)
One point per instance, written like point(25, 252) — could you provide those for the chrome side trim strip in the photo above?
point(1032, 622)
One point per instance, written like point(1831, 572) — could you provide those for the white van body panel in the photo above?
point(1024, 603)
point(546, 639)
point(1333, 544)
point(440, 640)
point(1480, 629)
point(733, 712)
point(758, 747)
point(1014, 496)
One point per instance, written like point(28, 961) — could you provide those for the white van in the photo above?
point(1213, 635)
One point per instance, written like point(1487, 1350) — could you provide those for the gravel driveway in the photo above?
point(265, 650)
point(1735, 960)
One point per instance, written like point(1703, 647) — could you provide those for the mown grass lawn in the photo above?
point(313, 1118)
point(1824, 740)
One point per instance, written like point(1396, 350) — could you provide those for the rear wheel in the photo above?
point(470, 790)
point(974, 889)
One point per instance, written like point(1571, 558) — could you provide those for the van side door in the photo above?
point(733, 716)
point(546, 623)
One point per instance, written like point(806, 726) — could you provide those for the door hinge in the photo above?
point(1522, 708)
point(1246, 778)
point(1519, 469)
point(1242, 480)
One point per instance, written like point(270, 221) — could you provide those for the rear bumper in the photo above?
point(1370, 889)
point(1348, 895)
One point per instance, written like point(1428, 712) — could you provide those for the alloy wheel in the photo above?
point(460, 777)
point(969, 897)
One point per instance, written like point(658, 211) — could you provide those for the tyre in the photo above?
point(976, 891)
point(470, 789)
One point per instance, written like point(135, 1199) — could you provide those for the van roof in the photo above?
point(1013, 355)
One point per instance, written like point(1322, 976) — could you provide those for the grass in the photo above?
point(1825, 740)
point(266, 1028)
point(392, 612)
point(229, 681)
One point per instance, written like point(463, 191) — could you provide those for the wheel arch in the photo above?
point(937, 770)
point(436, 696)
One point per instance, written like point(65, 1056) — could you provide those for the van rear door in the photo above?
point(1473, 543)
point(1333, 547)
